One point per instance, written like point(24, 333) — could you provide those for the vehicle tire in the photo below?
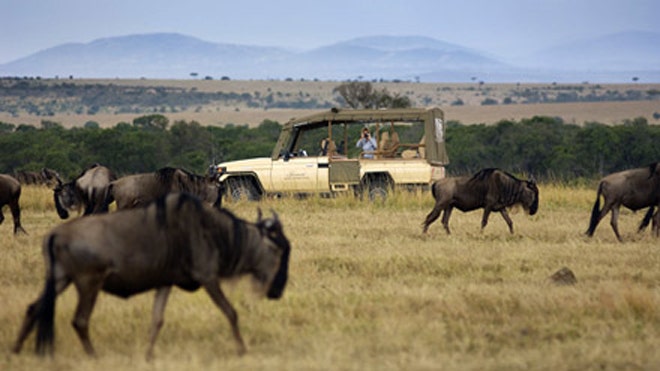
point(242, 189)
point(378, 189)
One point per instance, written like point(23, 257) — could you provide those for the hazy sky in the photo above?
point(505, 28)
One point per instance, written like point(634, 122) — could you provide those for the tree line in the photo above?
point(543, 147)
point(148, 143)
point(548, 148)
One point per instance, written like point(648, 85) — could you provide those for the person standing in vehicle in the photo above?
point(366, 143)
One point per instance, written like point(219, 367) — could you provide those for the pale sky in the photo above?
point(504, 28)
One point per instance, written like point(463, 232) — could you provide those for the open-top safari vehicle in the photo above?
point(317, 154)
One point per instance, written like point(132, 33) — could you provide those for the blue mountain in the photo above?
point(611, 58)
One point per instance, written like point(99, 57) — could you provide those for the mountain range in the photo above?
point(612, 58)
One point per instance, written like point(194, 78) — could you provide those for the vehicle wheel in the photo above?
point(378, 190)
point(242, 189)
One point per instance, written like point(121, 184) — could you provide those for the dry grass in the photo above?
point(368, 291)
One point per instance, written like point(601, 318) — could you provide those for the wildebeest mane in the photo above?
point(230, 250)
point(161, 207)
point(182, 254)
point(510, 186)
point(229, 243)
point(167, 176)
point(483, 174)
point(96, 164)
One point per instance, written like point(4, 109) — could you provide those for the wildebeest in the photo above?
point(87, 192)
point(45, 176)
point(635, 189)
point(175, 241)
point(490, 189)
point(140, 189)
point(10, 193)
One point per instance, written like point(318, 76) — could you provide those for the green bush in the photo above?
point(544, 147)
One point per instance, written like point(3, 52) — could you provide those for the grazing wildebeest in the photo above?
point(45, 176)
point(634, 189)
point(490, 189)
point(88, 191)
point(140, 189)
point(10, 193)
point(175, 241)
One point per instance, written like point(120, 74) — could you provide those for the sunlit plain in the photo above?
point(368, 291)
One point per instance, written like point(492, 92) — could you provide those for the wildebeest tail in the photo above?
point(46, 314)
point(101, 206)
point(108, 198)
point(434, 192)
point(90, 202)
point(595, 212)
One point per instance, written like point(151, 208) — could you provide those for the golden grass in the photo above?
point(368, 291)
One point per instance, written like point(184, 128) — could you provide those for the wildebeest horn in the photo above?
point(259, 214)
point(275, 216)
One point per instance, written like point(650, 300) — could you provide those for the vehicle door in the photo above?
point(297, 173)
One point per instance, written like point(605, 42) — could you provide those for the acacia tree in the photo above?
point(356, 94)
point(361, 94)
point(155, 121)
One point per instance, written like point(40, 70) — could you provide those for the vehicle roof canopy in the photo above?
point(433, 119)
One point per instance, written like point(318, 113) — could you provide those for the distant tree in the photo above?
point(155, 121)
point(361, 94)
point(91, 125)
point(6, 127)
point(383, 99)
point(25, 128)
point(48, 124)
point(356, 94)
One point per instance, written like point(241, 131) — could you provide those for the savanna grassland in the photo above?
point(368, 291)
point(574, 103)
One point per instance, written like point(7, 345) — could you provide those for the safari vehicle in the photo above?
point(317, 154)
